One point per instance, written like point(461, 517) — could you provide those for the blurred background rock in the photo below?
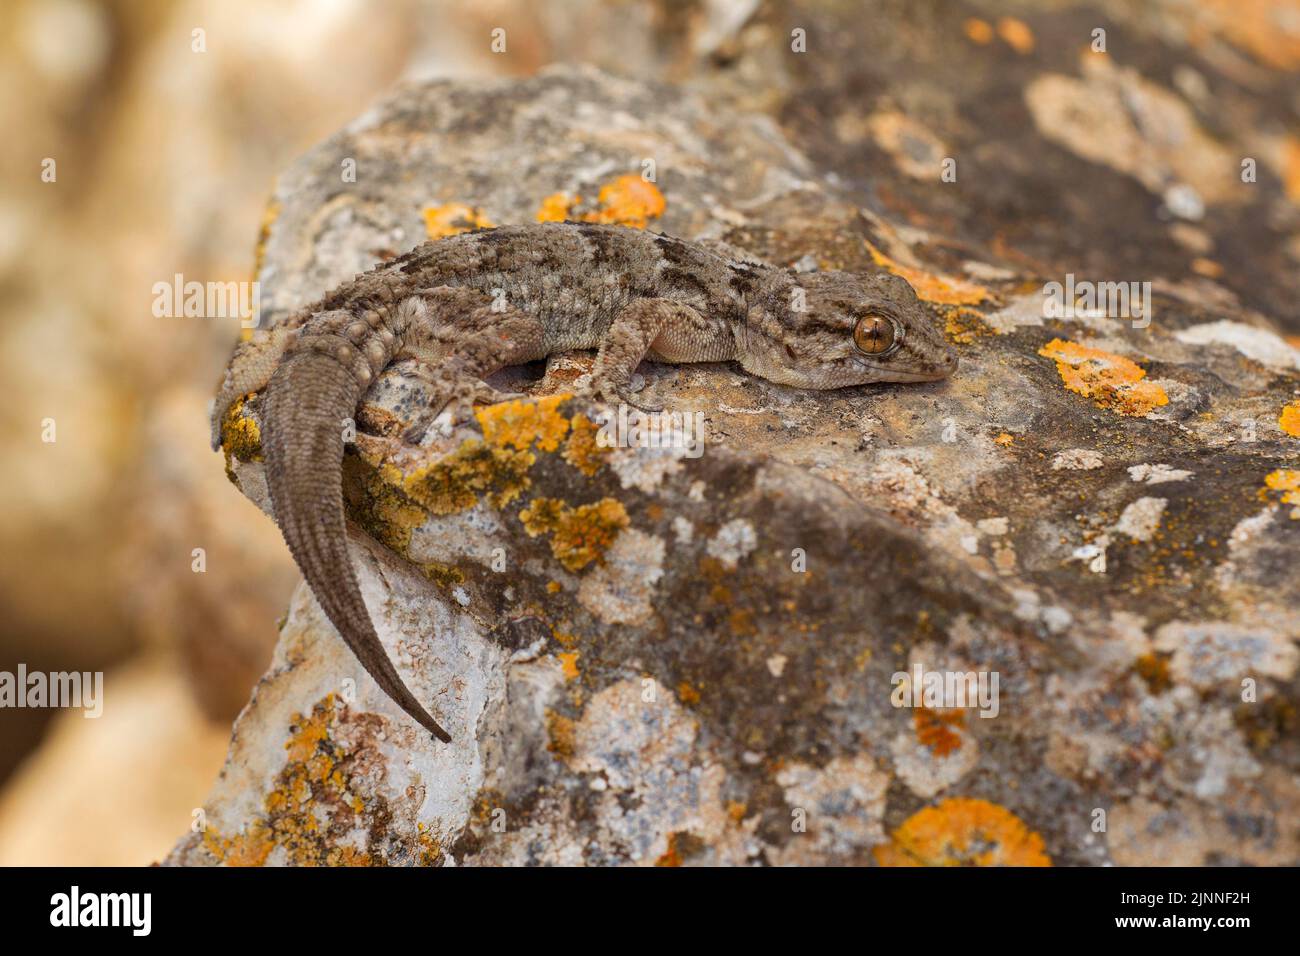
point(165, 159)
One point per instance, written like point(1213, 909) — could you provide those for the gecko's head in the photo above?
point(834, 329)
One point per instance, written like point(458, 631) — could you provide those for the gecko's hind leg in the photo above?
point(454, 361)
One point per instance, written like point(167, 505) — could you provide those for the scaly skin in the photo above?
point(470, 304)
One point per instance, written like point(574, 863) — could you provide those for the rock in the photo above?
point(647, 656)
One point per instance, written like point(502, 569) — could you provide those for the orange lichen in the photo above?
point(687, 694)
point(934, 729)
point(962, 324)
point(1291, 167)
point(455, 482)
point(522, 423)
point(1017, 35)
point(1112, 381)
point(1006, 440)
point(1154, 670)
point(1289, 420)
point(1252, 25)
point(578, 535)
point(393, 502)
point(978, 31)
point(569, 664)
point(1287, 481)
point(379, 503)
point(556, 206)
point(963, 832)
point(628, 200)
point(582, 451)
point(930, 287)
point(313, 806)
point(561, 733)
point(681, 845)
point(1207, 267)
point(240, 436)
point(452, 219)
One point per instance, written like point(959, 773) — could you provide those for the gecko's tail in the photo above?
point(309, 398)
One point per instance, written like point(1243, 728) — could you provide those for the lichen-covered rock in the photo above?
point(653, 656)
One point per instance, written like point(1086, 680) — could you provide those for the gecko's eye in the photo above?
point(877, 335)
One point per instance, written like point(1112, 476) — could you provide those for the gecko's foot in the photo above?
point(612, 393)
point(453, 404)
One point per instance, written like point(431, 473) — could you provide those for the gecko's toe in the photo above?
point(637, 401)
point(612, 393)
point(488, 395)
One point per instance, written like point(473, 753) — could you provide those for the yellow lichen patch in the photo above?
point(519, 424)
point(312, 807)
point(582, 451)
point(962, 324)
point(930, 287)
point(560, 734)
point(1006, 440)
point(963, 832)
point(1112, 381)
point(430, 848)
point(556, 206)
point(934, 729)
point(687, 694)
point(1017, 35)
point(452, 219)
point(240, 436)
point(569, 664)
point(1289, 420)
point(578, 535)
point(978, 31)
point(446, 575)
point(377, 502)
point(455, 482)
point(270, 213)
point(1287, 481)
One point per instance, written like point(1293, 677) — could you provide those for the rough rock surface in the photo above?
point(645, 657)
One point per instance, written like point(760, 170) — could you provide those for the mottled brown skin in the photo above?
point(470, 304)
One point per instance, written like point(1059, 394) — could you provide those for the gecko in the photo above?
point(467, 305)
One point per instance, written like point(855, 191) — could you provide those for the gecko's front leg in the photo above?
point(661, 326)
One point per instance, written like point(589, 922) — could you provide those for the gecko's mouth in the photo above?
point(902, 375)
